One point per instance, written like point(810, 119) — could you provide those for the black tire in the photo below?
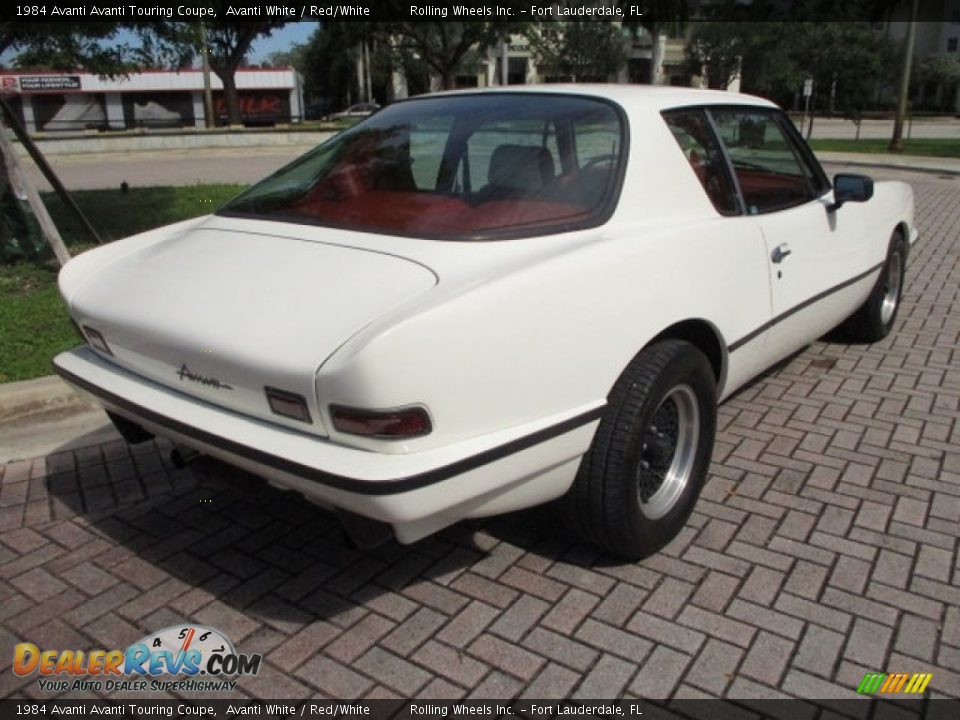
point(665, 382)
point(875, 318)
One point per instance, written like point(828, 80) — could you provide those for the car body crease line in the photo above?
point(752, 335)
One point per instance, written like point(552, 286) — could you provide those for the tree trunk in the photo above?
point(655, 56)
point(234, 117)
point(896, 142)
point(367, 81)
point(358, 65)
point(448, 79)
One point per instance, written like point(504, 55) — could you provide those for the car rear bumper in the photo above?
point(417, 493)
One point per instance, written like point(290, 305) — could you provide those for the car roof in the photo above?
point(645, 97)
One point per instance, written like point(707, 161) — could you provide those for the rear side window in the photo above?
point(772, 172)
point(457, 167)
point(691, 130)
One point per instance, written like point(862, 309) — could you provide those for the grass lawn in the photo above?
point(948, 147)
point(33, 323)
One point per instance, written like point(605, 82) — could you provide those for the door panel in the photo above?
point(810, 252)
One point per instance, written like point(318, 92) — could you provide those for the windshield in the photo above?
point(456, 167)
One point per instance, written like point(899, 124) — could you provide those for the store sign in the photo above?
point(49, 82)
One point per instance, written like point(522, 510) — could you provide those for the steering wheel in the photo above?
point(598, 160)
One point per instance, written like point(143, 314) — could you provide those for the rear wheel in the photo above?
point(641, 477)
point(874, 319)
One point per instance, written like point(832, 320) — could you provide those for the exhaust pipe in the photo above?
point(182, 456)
point(129, 430)
point(364, 533)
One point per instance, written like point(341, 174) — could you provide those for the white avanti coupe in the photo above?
point(475, 302)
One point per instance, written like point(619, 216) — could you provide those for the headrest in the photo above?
point(520, 167)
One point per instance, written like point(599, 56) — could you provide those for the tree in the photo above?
point(57, 46)
point(660, 16)
point(93, 47)
point(443, 46)
point(51, 47)
point(726, 39)
point(228, 42)
point(716, 50)
point(578, 50)
point(96, 46)
point(295, 57)
point(943, 72)
point(329, 69)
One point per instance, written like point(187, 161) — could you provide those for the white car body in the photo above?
point(510, 346)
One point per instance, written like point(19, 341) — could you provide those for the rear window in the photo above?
point(460, 167)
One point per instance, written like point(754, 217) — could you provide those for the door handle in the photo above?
point(780, 252)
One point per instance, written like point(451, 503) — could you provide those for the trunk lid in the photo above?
point(222, 314)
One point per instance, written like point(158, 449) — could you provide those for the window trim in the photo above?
point(797, 144)
point(795, 141)
point(800, 151)
point(727, 166)
point(800, 145)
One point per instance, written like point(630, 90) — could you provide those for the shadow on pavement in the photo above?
point(227, 534)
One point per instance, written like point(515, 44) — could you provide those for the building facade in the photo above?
point(77, 101)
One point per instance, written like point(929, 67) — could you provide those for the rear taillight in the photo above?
point(392, 424)
point(96, 339)
point(288, 404)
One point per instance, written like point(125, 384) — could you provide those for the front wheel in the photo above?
point(874, 319)
point(639, 480)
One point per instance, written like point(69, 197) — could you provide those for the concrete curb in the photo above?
point(94, 144)
point(22, 400)
point(38, 417)
point(907, 163)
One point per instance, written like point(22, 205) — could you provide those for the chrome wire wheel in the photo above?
point(668, 452)
point(891, 287)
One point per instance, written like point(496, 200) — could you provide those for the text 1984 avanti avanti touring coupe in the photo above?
point(475, 302)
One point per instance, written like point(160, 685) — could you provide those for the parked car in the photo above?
point(356, 112)
point(476, 302)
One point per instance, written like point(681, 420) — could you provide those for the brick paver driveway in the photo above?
point(824, 547)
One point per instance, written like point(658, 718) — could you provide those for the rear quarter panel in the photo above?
point(552, 337)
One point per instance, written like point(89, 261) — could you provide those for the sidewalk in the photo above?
point(919, 163)
point(40, 416)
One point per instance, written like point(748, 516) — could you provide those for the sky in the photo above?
point(282, 39)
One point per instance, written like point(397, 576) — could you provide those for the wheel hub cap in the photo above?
point(667, 452)
point(891, 288)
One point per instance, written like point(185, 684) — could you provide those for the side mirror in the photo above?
point(850, 188)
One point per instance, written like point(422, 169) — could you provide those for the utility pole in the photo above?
point(896, 142)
